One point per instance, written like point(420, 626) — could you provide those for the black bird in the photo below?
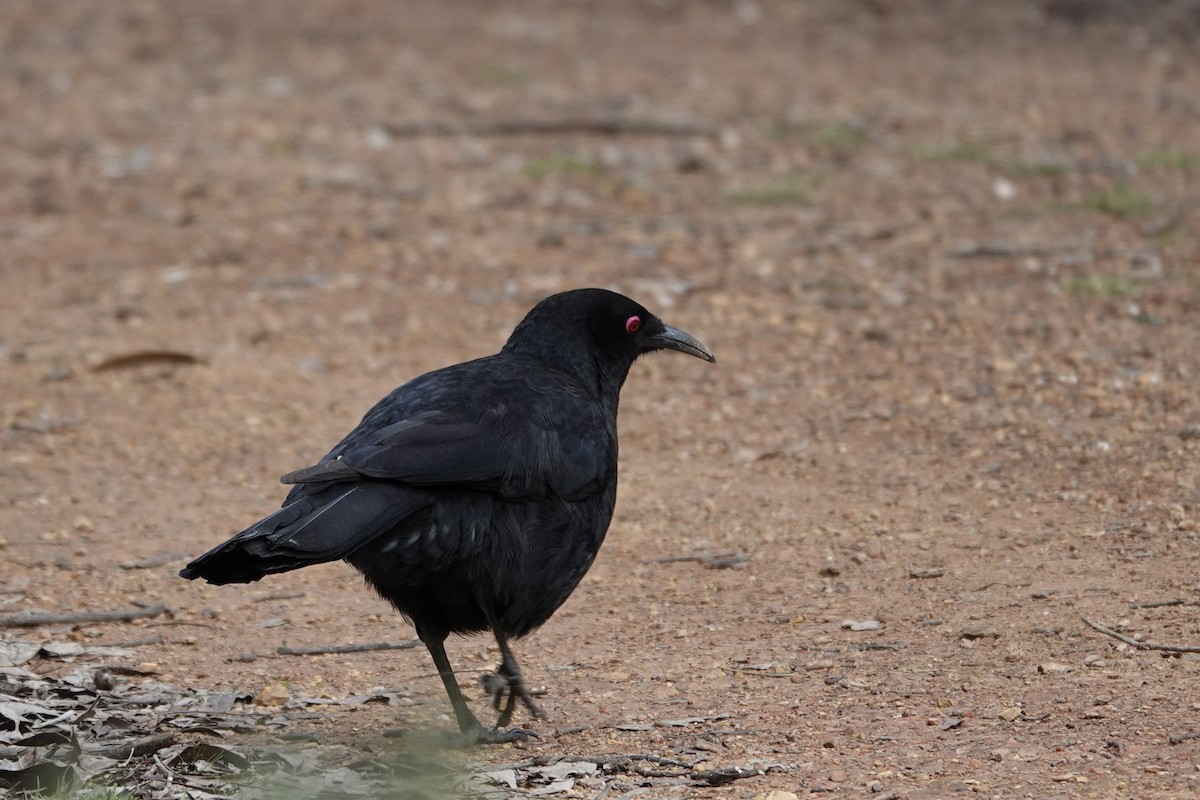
point(476, 496)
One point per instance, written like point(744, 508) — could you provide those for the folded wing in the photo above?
point(381, 475)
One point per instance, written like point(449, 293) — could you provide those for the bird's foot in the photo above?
point(505, 687)
point(478, 735)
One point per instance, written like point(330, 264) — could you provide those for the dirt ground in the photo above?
point(946, 254)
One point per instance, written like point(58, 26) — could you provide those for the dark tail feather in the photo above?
point(325, 525)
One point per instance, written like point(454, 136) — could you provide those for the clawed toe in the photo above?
point(480, 735)
point(505, 687)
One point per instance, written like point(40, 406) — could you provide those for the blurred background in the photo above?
point(946, 253)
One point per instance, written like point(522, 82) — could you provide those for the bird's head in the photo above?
point(603, 327)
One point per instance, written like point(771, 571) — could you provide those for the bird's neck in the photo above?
point(595, 374)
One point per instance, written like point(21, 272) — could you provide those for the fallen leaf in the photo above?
point(14, 654)
point(140, 358)
point(564, 785)
point(504, 777)
point(203, 752)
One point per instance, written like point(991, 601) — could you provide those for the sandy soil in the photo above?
point(947, 257)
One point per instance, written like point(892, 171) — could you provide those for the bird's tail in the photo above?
point(326, 524)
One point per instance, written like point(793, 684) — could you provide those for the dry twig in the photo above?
point(338, 649)
point(138, 747)
point(1158, 603)
point(761, 672)
point(594, 126)
point(156, 560)
point(723, 775)
point(150, 640)
point(710, 560)
point(1180, 738)
point(31, 619)
point(999, 249)
point(1141, 644)
point(268, 598)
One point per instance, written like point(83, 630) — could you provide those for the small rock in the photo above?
point(925, 574)
point(1052, 668)
point(273, 694)
point(1004, 189)
point(864, 625)
point(58, 373)
point(84, 525)
point(691, 162)
point(776, 794)
point(971, 634)
point(1190, 432)
point(1009, 714)
point(1094, 661)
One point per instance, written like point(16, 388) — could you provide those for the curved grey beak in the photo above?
point(674, 339)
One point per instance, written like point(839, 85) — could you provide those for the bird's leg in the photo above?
point(507, 679)
point(472, 732)
point(437, 649)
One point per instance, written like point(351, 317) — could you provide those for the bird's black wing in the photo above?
point(485, 426)
point(515, 439)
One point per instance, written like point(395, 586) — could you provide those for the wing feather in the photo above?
point(514, 449)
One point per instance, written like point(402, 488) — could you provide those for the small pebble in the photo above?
point(864, 625)
point(274, 694)
point(1052, 668)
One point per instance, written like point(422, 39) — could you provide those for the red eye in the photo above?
point(633, 323)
